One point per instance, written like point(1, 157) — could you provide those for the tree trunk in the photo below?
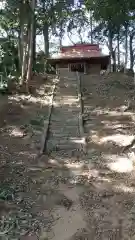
point(69, 36)
point(126, 47)
point(30, 48)
point(131, 52)
point(60, 42)
point(21, 33)
point(19, 50)
point(80, 37)
point(61, 34)
point(24, 57)
point(111, 51)
point(23, 40)
point(114, 60)
point(91, 28)
point(118, 50)
point(46, 39)
point(34, 43)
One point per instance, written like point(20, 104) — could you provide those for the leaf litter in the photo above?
point(18, 190)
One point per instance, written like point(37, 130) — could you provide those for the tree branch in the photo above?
point(70, 38)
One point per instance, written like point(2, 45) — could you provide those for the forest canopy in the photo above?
point(107, 22)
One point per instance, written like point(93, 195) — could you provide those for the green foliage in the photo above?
point(42, 65)
point(113, 12)
point(113, 19)
point(9, 63)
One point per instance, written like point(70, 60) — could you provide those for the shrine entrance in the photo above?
point(79, 67)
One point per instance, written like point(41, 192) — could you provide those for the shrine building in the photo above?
point(85, 58)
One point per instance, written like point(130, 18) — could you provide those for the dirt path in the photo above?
point(64, 194)
point(63, 147)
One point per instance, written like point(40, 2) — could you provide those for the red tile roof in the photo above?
point(80, 47)
point(79, 51)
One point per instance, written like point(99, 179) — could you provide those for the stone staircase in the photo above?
point(64, 133)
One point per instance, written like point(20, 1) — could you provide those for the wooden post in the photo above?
point(85, 69)
point(69, 67)
point(57, 71)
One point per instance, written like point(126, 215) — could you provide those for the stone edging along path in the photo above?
point(44, 134)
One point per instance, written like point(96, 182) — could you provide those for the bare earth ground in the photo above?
point(110, 199)
point(21, 125)
point(100, 188)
